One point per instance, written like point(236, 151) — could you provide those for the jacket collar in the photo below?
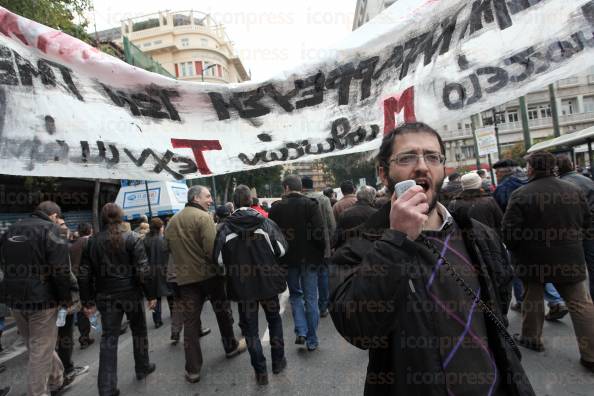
point(195, 205)
point(39, 214)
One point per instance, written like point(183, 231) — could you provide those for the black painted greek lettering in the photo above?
point(67, 77)
point(476, 86)
point(120, 99)
point(443, 41)
point(161, 163)
point(458, 102)
point(85, 151)
point(148, 106)
point(365, 74)
point(115, 154)
point(282, 100)
point(316, 81)
point(188, 166)
point(482, 11)
point(253, 108)
point(499, 78)
point(522, 59)
point(414, 47)
point(344, 75)
point(50, 124)
point(26, 70)
point(8, 74)
point(588, 11)
point(220, 106)
point(166, 95)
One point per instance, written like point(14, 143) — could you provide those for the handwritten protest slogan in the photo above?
point(67, 109)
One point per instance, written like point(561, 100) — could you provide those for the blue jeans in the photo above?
point(589, 253)
point(323, 288)
point(303, 294)
point(248, 314)
point(551, 295)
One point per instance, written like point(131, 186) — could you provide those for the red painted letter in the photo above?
point(395, 104)
point(198, 146)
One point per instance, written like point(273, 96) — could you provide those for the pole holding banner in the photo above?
point(554, 110)
point(525, 126)
point(476, 146)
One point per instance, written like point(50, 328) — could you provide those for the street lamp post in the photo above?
point(214, 186)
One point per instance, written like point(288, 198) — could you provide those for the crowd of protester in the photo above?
point(370, 259)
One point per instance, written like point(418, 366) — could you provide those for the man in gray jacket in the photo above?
point(329, 229)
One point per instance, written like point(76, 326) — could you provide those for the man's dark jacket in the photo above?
point(480, 206)
point(377, 289)
point(543, 226)
point(249, 247)
point(301, 222)
point(105, 272)
point(351, 218)
point(157, 254)
point(587, 186)
point(36, 266)
point(507, 186)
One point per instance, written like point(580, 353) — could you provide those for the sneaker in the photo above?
point(241, 347)
point(150, 369)
point(278, 367)
point(556, 312)
point(5, 391)
point(76, 371)
point(538, 347)
point(85, 342)
point(312, 348)
point(65, 385)
point(192, 378)
point(158, 324)
point(516, 307)
point(588, 365)
point(300, 340)
point(204, 331)
point(174, 338)
point(324, 313)
point(262, 378)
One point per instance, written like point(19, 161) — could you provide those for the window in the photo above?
point(187, 69)
point(532, 113)
point(146, 44)
point(445, 128)
point(209, 69)
point(545, 111)
point(569, 81)
point(512, 116)
point(589, 104)
point(459, 126)
point(204, 42)
point(567, 107)
point(468, 151)
point(157, 42)
point(185, 42)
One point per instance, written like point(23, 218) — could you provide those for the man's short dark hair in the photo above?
point(307, 183)
point(453, 176)
point(481, 172)
point(242, 196)
point(329, 192)
point(49, 208)
point(542, 162)
point(564, 164)
point(85, 229)
point(347, 187)
point(292, 182)
point(387, 146)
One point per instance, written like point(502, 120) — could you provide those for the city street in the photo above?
point(336, 368)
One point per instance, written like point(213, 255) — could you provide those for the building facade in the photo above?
point(190, 45)
point(574, 100)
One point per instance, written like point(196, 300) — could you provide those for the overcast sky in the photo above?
point(268, 35)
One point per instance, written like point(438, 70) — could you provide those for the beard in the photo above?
point(435, 189)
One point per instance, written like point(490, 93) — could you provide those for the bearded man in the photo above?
point(425, 292)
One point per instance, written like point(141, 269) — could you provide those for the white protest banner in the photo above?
point(486, 141)
point(68, 110)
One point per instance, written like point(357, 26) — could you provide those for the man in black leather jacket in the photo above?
point(36, 267)
point(113, 277)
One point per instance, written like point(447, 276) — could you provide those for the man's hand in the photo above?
point(152, 304)
point(409, 212)
point(90, 311)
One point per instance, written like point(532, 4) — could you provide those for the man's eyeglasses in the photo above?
point(409, 159)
